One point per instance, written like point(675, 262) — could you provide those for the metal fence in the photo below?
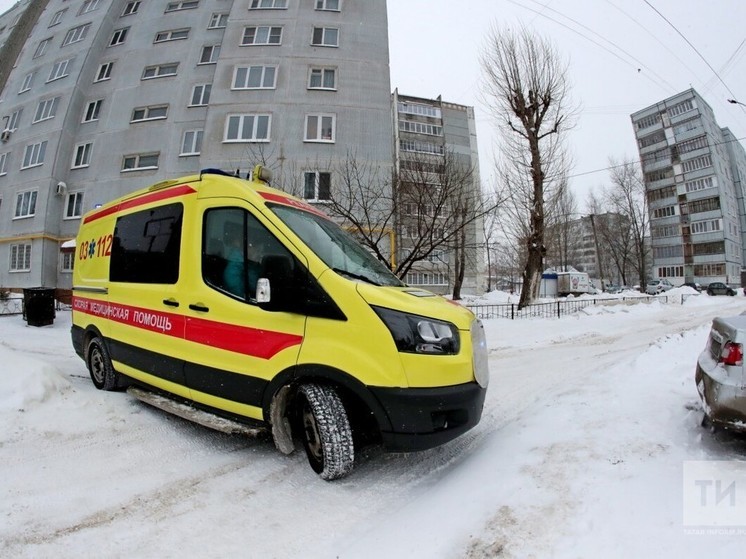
point(556, 309)
point(14, 305)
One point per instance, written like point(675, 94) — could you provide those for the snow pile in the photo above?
point(27, 380)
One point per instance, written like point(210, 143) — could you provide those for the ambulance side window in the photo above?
point(146, 246)
point(233, 246)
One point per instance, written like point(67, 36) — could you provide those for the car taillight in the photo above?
point(732, 354)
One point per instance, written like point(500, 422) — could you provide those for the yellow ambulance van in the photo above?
point(236, 300)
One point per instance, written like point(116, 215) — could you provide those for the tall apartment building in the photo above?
point(100, 97)
point(429, 131)
point(694, 176)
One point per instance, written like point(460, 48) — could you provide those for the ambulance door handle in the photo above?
point(171, 302)
point(199, 307)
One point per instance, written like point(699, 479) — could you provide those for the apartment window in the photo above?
point(671, 272)
point(651, 139)
point(186, 5)
point(160, 71)
point(140, 161)
point(218, 21)
point(704, 205)
point(320, 128)
point(420, 110)
point(67, 260)
point(254, 77)
point(421, 147)
point(210, 54)
point(25, 204)
point(700, 184)
point(668, 211)
point(92, 111)
point(268, 4)
point(76, 34)
point(154, 112)
point(74, 205)
point(420, 128)
point(717, 247)
point(317, 185)
point(42, 47)
point(707, 226)
point(57, 18)
point(119, 36)
point(648, 121)
point(672, 251)
point(172, 35)
point(104, 72)
point(325, 37)
point(661, 193)
point(248, 128)
point(15, 118)
point(131, 8)
point(709, 270)
point(681, 108)
point(694, 144)
point(191, 144)
point(82, 155)
point(33, 155)
point(88, 6)
point(4, 163)
point(20, 257)
point(697, 163)
point(26, 85)
point(59, 70)
point(262, 35)
point(322, 78)
point(46, 109)
point(200, 95)
point(328, 5)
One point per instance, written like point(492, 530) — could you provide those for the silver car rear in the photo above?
point(720, 378)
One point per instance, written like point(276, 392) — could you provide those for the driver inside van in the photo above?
point(241, 271)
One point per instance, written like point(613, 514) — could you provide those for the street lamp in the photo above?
point(735, 102)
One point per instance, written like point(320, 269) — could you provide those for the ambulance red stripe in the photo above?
point(165, 194)
point(255, 342)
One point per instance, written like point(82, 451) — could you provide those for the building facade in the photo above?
point(103, 97)
point(693, 171)
point(434, 138)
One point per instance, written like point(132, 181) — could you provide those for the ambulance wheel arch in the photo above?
point(286, 397)
point(98, 361)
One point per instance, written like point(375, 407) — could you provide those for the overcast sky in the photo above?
point(623, 55)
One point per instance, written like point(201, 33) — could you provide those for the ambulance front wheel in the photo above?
point(325, 431)
point(103, 375)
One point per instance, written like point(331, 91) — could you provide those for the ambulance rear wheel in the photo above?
point(326, 431)
point(103, 375)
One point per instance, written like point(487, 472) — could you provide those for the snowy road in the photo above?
point(586, 426)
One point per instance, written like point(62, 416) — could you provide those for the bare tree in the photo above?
point(526, 85)
point(429, 206)
point(626, 197)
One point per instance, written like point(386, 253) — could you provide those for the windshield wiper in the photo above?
point(354, 276)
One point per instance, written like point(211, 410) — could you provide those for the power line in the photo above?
point(637, 162)
point(691, 45)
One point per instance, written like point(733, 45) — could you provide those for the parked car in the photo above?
point(719, 288)
point(720, 373)
point(656, 287)
point(697, 287)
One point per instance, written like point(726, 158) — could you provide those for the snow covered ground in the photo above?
point(588, 423)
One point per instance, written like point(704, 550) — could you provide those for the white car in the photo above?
point(656, 287)
point(720, 373)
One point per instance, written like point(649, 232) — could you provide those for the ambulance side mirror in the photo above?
point(274, 289)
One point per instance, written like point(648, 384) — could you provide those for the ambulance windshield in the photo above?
point(336, 247)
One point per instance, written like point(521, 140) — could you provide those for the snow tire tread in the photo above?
point(334, 430)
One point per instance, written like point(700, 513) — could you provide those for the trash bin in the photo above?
point(38, 306)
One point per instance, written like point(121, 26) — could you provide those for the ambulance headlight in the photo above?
point(420, 334)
